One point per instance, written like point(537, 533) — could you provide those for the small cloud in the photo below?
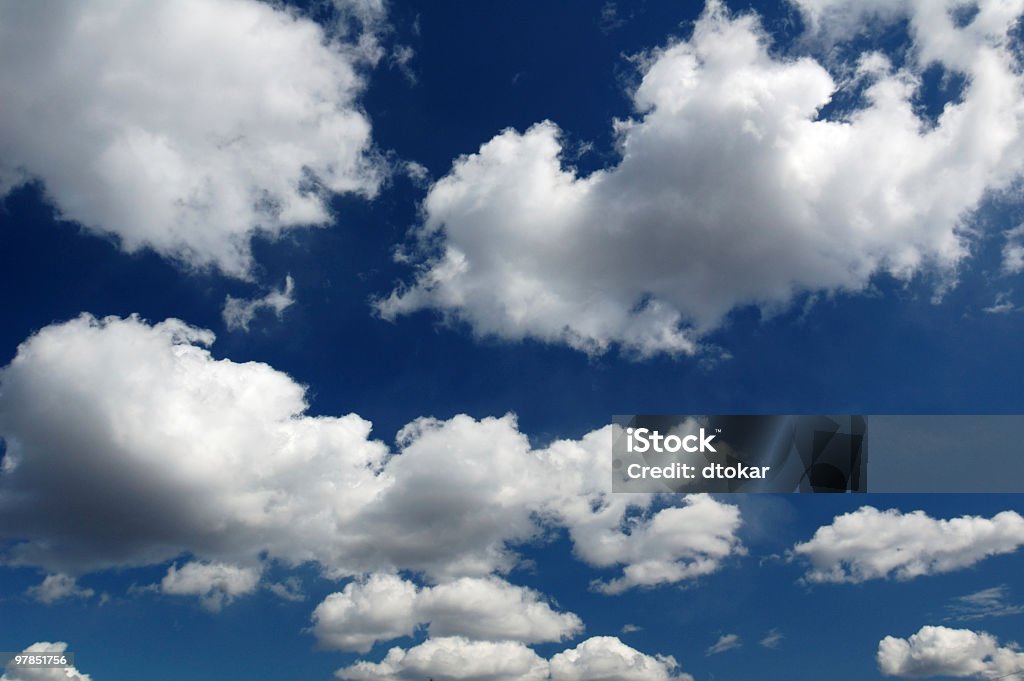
point(610, 18)
point(724, 643)
point(216, 584)
point(631, 629)
point(58, 587)
point(771, 639)
point(991, 602)
point(238, 313)
point(417, 172)
point(400, 58)
point(289, 590)
point(1013, 251)
point(1002, 304)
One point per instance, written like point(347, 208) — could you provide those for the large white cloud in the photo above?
point(130, 444)
point(730, 191)
point(601, 658)
point(385, 607)
point(873, 544)
point(941, 651)
point(185, 127)
point(16, 672)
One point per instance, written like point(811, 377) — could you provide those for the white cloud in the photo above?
point(873, 544)
point(772, 639)
point(729, 192)
point(58, 587)
point(991, 602)
point(932, 25)
point(1002, 304)
point(601, 658)
point(184, 127)
point(940, 651)
point(216, 584)
point(492, 609)
point(380, 609)
point(606, 658)
point(239, 312)
point(386, 607)
point(725, 642)
point(1013, 251)
point(13, 672)
point(453, 658)
point(289, 590)
point(130, 444)
point(658, 550)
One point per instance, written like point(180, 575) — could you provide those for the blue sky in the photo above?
point(657, 269)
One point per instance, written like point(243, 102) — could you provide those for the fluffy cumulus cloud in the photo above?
point(215, 583)
point(601, 658)
point(381, 608)
point(453, 658)
point(385, 607)
point(941, 651)
point(873, 544)
point(607, 658)
point(655, 550)
point(16, 672)
point(55, 588)
point(128, 443)
point(731, 190)
point(195, 126)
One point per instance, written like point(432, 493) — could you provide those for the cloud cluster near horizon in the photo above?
point(600, 658)
point(941, 651)
point(103, 469)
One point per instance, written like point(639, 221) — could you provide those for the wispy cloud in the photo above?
point(772, 639)
point(58, 587)
point(725, 642)
point(1002, 304)
point(238, 313)
point(993, 602)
